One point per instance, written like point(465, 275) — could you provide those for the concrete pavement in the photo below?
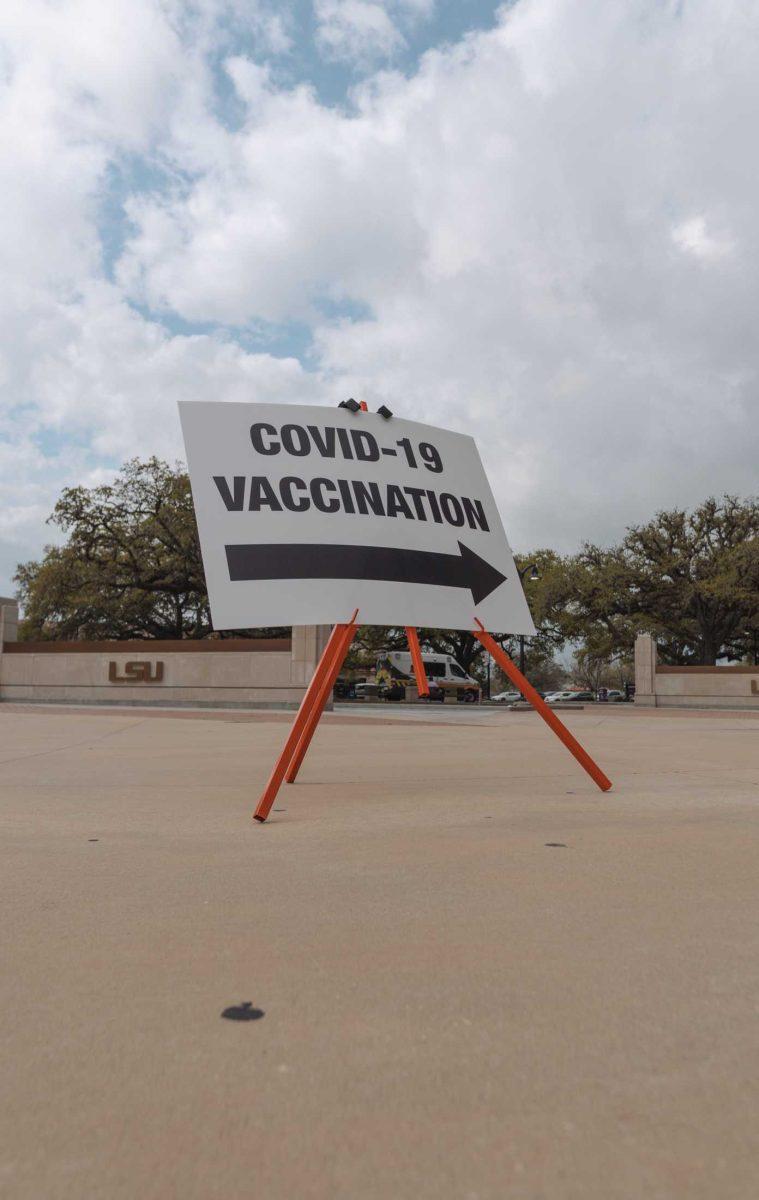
point(480, 977)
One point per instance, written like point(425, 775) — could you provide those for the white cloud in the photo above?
point(505, 215)
point(84, 380)
point(693, 237)
point(356, 29)
point(105, 385)
point(547, 236)
point(364, 31)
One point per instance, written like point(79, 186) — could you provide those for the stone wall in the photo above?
point(659, 686)
point(234, 672)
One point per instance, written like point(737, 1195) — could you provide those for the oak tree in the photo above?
point(691, 579)
point(130, 566)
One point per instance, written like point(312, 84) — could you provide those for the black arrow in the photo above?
point(464, 570)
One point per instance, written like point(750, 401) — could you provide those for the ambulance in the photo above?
point(447, 680)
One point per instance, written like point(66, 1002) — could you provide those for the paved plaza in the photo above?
point(480, 977)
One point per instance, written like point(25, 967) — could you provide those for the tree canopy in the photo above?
point(131, 567)
point(689, 579)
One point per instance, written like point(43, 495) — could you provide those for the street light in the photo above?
point(532, 570)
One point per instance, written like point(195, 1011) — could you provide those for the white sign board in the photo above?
point(306, 514)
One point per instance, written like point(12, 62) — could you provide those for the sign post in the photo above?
point(308, 514)
point(330, 679)
point(412, 637)
point(540, 706)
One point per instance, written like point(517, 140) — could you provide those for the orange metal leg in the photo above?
point(422, 687)
point(306, 705)
point(538, 703)
point(328, 683)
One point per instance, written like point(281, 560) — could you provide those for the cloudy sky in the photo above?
point(534, 221)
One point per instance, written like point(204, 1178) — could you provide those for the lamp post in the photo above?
point(532, 570)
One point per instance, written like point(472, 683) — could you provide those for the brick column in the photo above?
point(8, 620)
point(8, 626)
point(645, 670)
point(308, 642)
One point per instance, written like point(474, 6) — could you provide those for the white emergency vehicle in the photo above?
point(446, 679)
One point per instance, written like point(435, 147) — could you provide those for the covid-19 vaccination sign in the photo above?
point(306, 514)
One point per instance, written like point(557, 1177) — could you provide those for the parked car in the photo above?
point(614, 695)
point(557, 697)
point(506, 697)
point(345, 689)
point(581, 697)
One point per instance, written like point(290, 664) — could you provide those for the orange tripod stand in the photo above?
point(320, 689)
point(325, 676)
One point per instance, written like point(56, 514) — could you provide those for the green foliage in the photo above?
point(370, 641)
point(689, 579)
point(592, 672)
point(546, 597)
point(131, 565)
